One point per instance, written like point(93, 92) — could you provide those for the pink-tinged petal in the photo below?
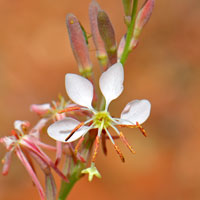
point(6, 163)
point(135, 111)
point(34, 148)
point(19, 125)
point(8, 141)
point(35, 131)
point(79, 89)
point(111, 82)
point(32, 174)
point(40, 109)
point(60, 130)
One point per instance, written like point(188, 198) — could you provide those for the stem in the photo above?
point(74, 177)
point(75, 170)
point(129, 33)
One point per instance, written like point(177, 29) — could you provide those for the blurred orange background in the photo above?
point(35, 55)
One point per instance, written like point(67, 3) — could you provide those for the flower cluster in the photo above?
point(85, 120)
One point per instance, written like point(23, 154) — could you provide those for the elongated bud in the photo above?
point(101, 54)
point(143, 17)
point(127, 10)
point(108, 35)
point(79, 45)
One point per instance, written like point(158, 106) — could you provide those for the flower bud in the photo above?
point(127, 10)
point(101, 54)
point(79, 45)
point(143, 17)
point(40, 109)
point(108, 35)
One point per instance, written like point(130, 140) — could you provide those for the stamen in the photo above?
point(110, 137)
point(103, 138)
point(78, 144)
point(74, 130)
point(141, 129)
point(119, 153)
point(96, 148)
point(123, 139)
point(128, 126)
point(69, 109)
point(126, 142)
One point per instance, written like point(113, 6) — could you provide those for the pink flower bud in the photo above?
point(108, 35)
point(40, 109)
point(143, 17)
point(79, 45)
point(94, 8)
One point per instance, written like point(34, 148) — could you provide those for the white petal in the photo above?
point(79, 89)
point(62, 128)
point(136, 111)
point(111, 82)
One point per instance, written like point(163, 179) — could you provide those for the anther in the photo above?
point(69, 109)
point(78, 145)
point(74, 130)
point(126, 142)
point(119, 153)
point(141, 129)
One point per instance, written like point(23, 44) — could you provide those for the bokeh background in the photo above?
point(35, 55)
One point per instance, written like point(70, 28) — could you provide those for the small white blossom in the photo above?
point(80, 91)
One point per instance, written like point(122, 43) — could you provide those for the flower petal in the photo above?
point(62, 128)
point(111, 82)
point(79, 89)
point(135, 111)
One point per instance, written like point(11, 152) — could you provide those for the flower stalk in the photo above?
point(129, 33)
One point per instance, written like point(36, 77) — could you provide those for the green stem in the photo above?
point(129, 33)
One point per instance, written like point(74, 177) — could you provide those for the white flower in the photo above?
point(80, 90)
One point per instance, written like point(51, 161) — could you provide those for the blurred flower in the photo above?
point(80, 90)
point(26, 147)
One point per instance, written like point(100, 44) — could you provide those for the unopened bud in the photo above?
point(108, 35)
point(127, 10)
point(143, 17)
point(79, 45)
point(94, 8)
